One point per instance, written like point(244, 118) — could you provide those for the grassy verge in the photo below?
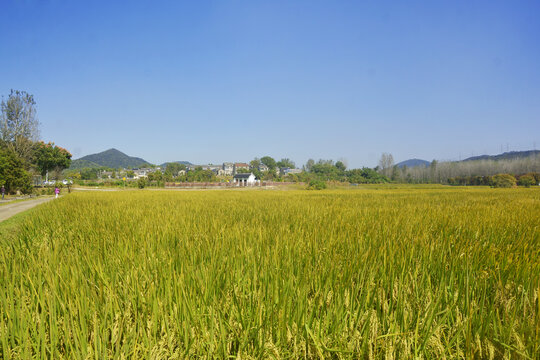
point(9, 227)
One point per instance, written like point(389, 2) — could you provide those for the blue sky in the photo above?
point(214, 81)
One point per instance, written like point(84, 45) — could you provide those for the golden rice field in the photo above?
point(372, 273)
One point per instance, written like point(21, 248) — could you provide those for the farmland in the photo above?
point(365, 273)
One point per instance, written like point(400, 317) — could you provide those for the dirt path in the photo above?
point(7, 211)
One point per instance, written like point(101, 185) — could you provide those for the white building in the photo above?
point(246, 179)
point(287, 171)
point(228, 168)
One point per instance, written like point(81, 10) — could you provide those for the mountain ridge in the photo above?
point(111, 158)
point(413, 163)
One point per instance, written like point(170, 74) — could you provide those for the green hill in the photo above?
point(511, 155)
point(111, 158)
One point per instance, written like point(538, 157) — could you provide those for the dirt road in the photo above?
point(7, 211)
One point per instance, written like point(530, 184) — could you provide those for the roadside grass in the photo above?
point(10, 227)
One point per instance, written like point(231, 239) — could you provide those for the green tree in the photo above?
point(432, 171)
point(174, 168)
point(503, 181)
point(526, 180)
point(49, 156)
point(12, 173)
point(286, 163)
point(255, 163)
point(270, 162)
point(309, 165)
point(341, 166)
point(141, 183)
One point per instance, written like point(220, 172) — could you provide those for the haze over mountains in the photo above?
point(510, 155)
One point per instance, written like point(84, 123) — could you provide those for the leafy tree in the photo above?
point(341, 166)
point(309, 165)
point(89, 173)
point(12, 173)
point(175, 168)
point(157, 175)
point(286, 163)
point(49, 157)
point(255, 163)
point(270, 162)
point(130, 174)
point(141, 183)
point(19, 126)
point(526, 180)
point(432, 170)
point(504, 181)
point(395, 173)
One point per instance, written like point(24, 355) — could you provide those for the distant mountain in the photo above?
point(413, 163)
point(111, 158)
point(511, 155)
point(177, 162)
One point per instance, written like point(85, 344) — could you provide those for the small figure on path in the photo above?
point(3, 191)
point(57, 191)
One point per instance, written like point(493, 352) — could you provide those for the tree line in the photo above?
point(525, 171)
point(22, 154)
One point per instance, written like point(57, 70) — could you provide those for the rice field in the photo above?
point(371, 273)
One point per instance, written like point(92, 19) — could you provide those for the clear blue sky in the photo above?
point(214, 81)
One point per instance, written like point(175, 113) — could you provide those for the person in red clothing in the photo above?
point(57, 191)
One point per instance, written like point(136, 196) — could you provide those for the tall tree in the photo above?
point(174, 168)
point(12, 173)
point(50, 157)
point(255, 163)
point(309, 165)
point(269, 161)
point(286, 163)
point(386, 163)
point(341, 165)
point(19, 126)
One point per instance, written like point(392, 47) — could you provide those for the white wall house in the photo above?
point(247, 179)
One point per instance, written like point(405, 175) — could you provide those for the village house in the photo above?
point(142, 173)
point(245, 179)
point(262, 167)
point(239, 166)
point(105, 175)
point(228, 168)
point(287, 171)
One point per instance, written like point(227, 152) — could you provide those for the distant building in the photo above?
point(287, 171)
point(262, 167)
point(238, 166)
point(228, 168)
point(106, 175)
point(142, 173)
point(246, 179)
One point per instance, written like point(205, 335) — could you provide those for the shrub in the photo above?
point(141, 183)
point(503, 181)
point(316, 185)
point(526, 180)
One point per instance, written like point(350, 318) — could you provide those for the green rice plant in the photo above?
point(373, 272)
